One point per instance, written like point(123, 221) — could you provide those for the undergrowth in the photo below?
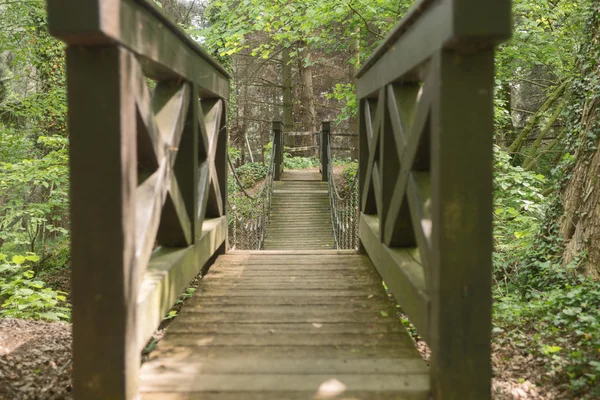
point(546, 309)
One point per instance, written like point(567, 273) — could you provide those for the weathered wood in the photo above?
point(170, 272)
point(300, 216)
point(401, 272)
point(216, 133)
point(167, 53)
point(273, 341)
point(103, 182)
point(299, 149)
point(463, 25)
point(461, 191)
point(345, 395)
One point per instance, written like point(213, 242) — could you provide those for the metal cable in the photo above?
point(344, 210)
point(248, 229)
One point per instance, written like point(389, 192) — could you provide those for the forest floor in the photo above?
point(35, 360)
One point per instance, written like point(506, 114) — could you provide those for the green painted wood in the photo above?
point(283, 341)
point(461, 192)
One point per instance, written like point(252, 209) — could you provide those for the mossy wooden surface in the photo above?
point(287, 325)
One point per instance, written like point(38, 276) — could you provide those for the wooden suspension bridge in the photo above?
point(150, 168)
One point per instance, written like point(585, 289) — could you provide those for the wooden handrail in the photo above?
point(425, 180)
point(148, 166)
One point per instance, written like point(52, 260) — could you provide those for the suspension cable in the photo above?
point(248, 230)
point(344, 209)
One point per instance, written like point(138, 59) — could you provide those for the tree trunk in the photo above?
point(288, 119)
point(352, 70)
point(307, 106)
point(580, 224)
point(532, 121)
point(543, 132)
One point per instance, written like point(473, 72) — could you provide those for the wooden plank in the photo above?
point(142, 28)
point(401, 273)
point(295, 366)
point(407, 52)
point(429, 26)
point(292, 252)
point(300, 133)
point(300, 293)
point(461, 190)
point(346, 395)
point(197, 340)
point(187, 164)
point(103, 179)
point(170, 272)
point(328, 352)
point(181, 326)
point(299, 149)
point(282, 382)
point(228, 338)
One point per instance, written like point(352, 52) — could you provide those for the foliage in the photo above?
point(33, 143)
point(34, 199)
point(21, 296)
point(560, 324)
point(349, 172)
point(251, 173)
point(518, 208)
point(290, 162)
point(345, 93)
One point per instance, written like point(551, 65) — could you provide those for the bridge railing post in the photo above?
point(278, 149)
point(426, 132)
point(325, 144)
point(147, 167)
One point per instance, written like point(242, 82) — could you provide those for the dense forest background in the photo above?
point(295, 61)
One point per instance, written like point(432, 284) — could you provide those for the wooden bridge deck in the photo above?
point(287, 325)
point(300, 215)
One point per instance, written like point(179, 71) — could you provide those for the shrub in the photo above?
point(21, 296)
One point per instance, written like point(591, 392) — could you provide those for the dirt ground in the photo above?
point(35, 360)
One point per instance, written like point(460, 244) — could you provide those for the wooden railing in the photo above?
point(148, 167)
point(426, 127)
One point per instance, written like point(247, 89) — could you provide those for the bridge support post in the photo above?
point(277, 149)
point(103, 184)
point(325, 138)
point(461, 262)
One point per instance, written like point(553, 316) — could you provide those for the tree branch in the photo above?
point(365, 22)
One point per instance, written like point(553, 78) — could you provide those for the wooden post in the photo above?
point(325, 137)
point(103, 169)
point(462, 123)
point(278, 149)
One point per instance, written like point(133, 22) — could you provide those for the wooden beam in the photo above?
point(401, 273)
point(103, 181)
point(462, 25)
point(165, 51)
point(462, 123)
point(170, 272)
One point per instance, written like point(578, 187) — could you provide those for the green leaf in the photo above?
point(18, 260)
